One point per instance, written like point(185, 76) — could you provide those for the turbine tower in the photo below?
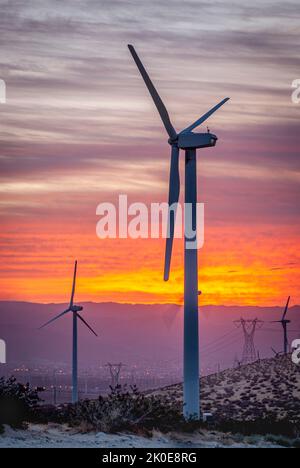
point(249, 328)
point(190, 142)
point(284, 322)
point(75, 309)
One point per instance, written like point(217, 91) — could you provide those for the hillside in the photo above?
point(268, 387)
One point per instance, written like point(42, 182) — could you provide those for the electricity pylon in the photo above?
point(249, 328)
point(114, 370)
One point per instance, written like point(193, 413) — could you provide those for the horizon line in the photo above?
point(144, 304)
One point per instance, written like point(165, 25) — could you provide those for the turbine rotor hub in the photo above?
point(173, 141)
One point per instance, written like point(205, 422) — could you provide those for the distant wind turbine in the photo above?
point(190, 142)
point(284, 324)
point(75, 309)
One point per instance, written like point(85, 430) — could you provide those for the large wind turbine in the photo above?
point(284, 322)
point(190, 142)
point(75, 309)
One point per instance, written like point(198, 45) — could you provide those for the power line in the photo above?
point(279, 331)
point(217, 340)
point(219, 348)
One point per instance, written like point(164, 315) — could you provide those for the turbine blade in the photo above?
point(286, 308)
point(204, 117)
point(174, 190)
point(154, 94)
point(74, 285)
point(55, 318)
point(79, 316)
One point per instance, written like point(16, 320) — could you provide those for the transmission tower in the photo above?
point(249, 328)
point(114, 370)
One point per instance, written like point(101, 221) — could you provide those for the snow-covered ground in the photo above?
point(53, 435)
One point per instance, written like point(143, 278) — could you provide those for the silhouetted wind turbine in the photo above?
point(284, 324)
point(75, 309)
point(190, 142)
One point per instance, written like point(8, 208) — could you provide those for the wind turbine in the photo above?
point(75, 309)
point(284, 322)
point(190, 142)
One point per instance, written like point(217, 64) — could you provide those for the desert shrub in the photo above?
point(279, 440)
point(270, 425)
point(124, 410)
point(17, 402)
point(283, 441)
point(296, 443)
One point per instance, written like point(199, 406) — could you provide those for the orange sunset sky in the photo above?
point(79, 129)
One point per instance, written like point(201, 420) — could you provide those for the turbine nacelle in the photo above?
point(196, 140)
point(76, 308)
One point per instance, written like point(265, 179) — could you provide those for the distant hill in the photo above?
point(271, 386)
point(135, 333)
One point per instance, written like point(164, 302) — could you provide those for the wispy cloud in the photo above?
point(79, 127)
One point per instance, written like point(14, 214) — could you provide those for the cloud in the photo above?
point(79, 126)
